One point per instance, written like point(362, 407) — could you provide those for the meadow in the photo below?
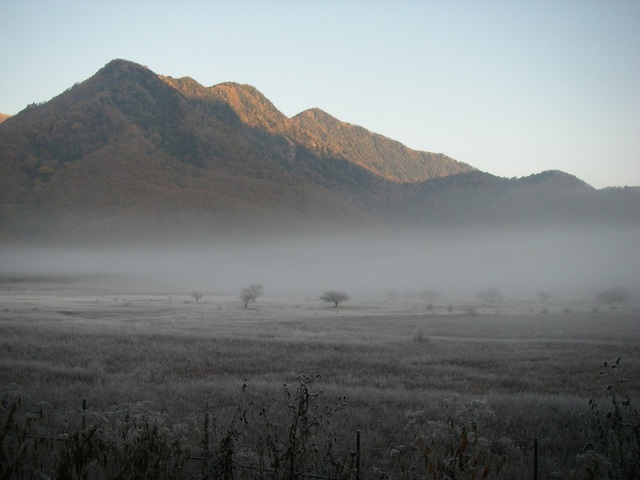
point(406, 373)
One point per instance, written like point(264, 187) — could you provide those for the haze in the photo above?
point(457, 263)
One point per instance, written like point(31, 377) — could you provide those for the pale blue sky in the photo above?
point(510, 87)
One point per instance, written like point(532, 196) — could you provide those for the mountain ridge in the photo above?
point(313, 127)
point(132, 150)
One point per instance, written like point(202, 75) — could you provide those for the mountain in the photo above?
point(3, 117)
point(326, 136)
point(128, 153)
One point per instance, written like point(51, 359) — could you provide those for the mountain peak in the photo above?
point(121, 65)
point(376, 153)
point(317, 114)
point(251, 106)
point(122, 70)
point(557, 178)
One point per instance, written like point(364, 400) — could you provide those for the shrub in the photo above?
point(451, 449)
point(118, 444)
point(612, 432)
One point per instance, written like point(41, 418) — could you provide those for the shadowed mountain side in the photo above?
point(198, 215)
point(551, 197)
point(119, 192)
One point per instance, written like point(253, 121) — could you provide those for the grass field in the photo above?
point(515, 371)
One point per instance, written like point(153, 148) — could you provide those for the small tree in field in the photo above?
point(250, 294)
point(614, 295)
point(334, 297)
point(543, 296)
point(196, 296)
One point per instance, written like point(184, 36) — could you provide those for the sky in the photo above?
point(512, 87)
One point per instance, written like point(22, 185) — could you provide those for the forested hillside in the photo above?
point(128, 152)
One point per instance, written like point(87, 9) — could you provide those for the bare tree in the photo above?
point(196, 295)
point(614, 295)
point(544, 296)
point(250, 294)
point(334, 297)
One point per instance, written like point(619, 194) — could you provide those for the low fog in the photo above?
point(453, 262)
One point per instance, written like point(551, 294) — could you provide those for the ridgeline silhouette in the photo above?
point(128, 153)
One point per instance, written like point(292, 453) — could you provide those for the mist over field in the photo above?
point(452, 262)
point(418, 345)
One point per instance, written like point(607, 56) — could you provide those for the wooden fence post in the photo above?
point(358, 455)
point(535, 458)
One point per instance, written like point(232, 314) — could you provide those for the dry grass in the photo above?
point(518, 373)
